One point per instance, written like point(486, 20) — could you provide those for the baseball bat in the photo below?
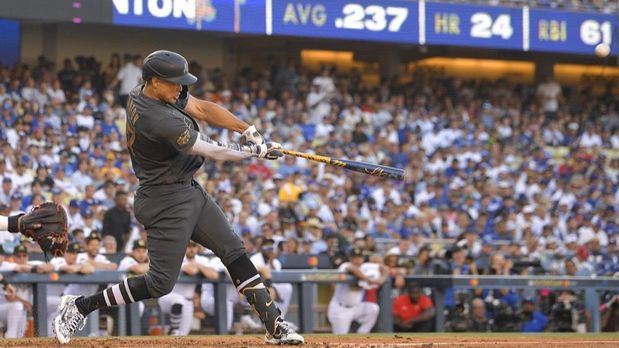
point(361, 167)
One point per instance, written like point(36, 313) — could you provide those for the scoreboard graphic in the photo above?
point(395, 21)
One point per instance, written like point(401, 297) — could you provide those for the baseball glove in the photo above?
point(47, 225)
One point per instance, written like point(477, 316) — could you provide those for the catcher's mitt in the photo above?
point(47, 225)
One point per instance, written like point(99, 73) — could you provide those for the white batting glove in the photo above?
point(251, 135)
point(269, 150)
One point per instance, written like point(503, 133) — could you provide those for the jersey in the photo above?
point(158, 138)
point(126, 263)
point(372, 271)
point(405, 309)
point(85, 289)
point(188, 289)
point(345, 294)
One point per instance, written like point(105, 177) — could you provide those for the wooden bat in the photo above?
point(361, 167)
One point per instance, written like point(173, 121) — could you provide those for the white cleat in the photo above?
point(285, 335)
point(68, 320)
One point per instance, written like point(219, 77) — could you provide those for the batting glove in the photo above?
point(270, 150)
point(252, 136)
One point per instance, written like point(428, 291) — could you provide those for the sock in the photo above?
point(243, 273)
point(128, 291)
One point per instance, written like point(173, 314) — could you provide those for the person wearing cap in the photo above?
point(347, 303)
point(92, 257)
point(179, 302)
point(167, 149)
point(413, 311)
point(266, 262)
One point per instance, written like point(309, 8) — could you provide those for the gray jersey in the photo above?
point(158, 138)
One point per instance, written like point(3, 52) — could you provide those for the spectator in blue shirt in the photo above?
point(532, 319)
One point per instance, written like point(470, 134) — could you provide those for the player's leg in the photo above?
point(171, 222)
point(366, 314)
point(340, 318)
point(214, 232)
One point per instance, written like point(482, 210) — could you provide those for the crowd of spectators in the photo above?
point(502, 178)
point(604, 6)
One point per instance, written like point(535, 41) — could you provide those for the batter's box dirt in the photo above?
point(435, 340)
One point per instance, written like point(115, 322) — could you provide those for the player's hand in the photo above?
point(270, 150)
point(251, 136)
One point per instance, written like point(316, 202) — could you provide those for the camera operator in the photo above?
point(568, 314)
point(610, 313)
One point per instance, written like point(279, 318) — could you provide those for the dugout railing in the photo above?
point(129, 319)
point(305, 283)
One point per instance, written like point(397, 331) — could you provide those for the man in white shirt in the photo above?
point(179, 303)
point(347, 303)
point(548, 94)
point(97, 261)
point(80, 177)
point(266, 262)
point(129, 76)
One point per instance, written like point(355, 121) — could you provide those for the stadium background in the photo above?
point(508, 174)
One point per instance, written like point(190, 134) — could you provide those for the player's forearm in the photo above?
point(207, 147)
point(105, 266)
point(216, 115)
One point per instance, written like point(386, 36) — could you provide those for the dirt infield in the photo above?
point(374, 340)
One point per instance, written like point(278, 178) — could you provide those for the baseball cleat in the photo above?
point(284, 334)
point(68, 320)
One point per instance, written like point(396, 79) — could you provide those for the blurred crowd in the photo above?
point(604, 6)
point(502, 178)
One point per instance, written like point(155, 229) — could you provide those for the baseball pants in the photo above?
point(341, 317)
point(180, 310)
point(173, 215)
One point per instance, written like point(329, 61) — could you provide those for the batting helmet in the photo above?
point(169, 66)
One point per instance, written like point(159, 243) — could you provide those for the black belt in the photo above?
point(345, 306)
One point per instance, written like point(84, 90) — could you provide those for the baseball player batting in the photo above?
point(166, 150)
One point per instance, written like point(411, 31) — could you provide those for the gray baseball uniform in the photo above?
point(169, 203)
